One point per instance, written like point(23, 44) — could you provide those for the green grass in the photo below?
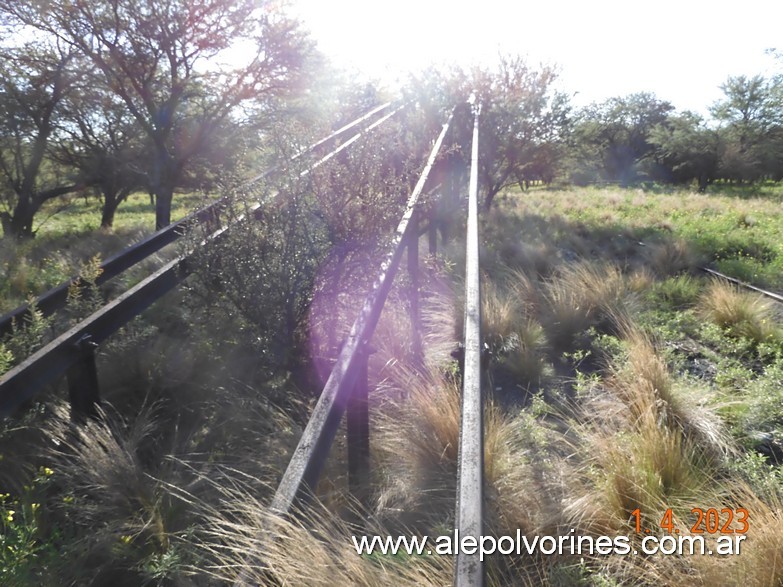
point(697, 404)
point(80, 216)
point(615, 385)
point(740, 234)
point(68, 235)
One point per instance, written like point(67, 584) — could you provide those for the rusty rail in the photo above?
point(55, 299)
point(735, 281)
point(73, 352)
point(349, 375)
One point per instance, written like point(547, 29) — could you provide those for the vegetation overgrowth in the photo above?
point(621, 378)
point(69, 237)
point(624, 386)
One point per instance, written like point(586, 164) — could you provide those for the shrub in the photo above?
point(677, 292)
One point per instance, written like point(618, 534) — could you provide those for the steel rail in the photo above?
point(309, 457)
point(340, 131)
point(50, 362)
point(735, 281)
point(54, 299)
point(469, 569)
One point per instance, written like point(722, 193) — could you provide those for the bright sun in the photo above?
point(679, 50)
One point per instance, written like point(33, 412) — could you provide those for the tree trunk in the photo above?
point(107, 212)
point(112, 198)
point(21, 224)
point(492, 191)
point(164, 172)
point(163, 198)
point(5, 222)
point(702, 183)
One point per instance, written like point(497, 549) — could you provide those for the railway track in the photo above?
point(346, 390)
point(55, 299)
point(73, 352)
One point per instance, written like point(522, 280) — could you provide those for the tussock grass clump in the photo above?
point(677, 292)
point(511, 329)
point(649, 391)
point(414, 444)
point(525, 354)
point(417, 448)
point(516, 492)
point(760, 561)
point(648, 468)
point(242, 538)
point(741, 314)
point(640, 280)
point(524, 290)
point(417, 444)
point(672, 257)
point(500, 314)
point(125, 516)
point(644, 384)
point(646, 446)
point(581, 296)
point(533, 259)
point(119, 479)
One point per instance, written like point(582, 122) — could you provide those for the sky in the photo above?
point(680, 50)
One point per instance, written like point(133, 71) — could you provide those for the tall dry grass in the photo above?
point(119, 479)
point(241, 540)
point(671, 257)
point(644, 443)
point(742, 314)
point(581, 296)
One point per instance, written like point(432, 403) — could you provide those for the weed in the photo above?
point(26, 338)
point(28, 554)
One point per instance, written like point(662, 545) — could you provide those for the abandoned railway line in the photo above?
point(346, 391)
point(74, 352)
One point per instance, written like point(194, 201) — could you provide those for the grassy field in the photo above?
point(622, 380)
point(654, 386)
point(736, 231)
point(68, 234)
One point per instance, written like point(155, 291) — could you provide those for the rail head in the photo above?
point(469, 568)
point(54, 299)
point(309, 457)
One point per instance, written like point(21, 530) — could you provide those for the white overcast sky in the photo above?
point(681, 50)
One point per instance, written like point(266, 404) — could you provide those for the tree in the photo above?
point(746, 107)
point(35, 80)
point(168, 61)
point(688, 148)
point(613, 137)
point(751, 115)
point(523, 122)
point(102, 143)
point(523, 125)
